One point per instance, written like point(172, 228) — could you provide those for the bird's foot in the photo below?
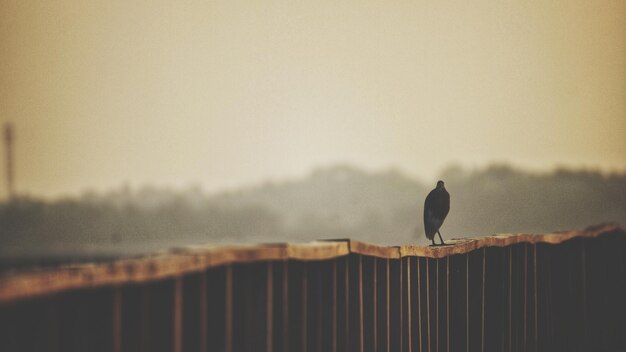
point(440, 239)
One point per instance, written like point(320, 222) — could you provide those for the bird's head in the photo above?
point(440, 184)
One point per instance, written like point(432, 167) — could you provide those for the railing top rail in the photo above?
point(189, 259)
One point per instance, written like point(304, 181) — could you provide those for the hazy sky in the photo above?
point(224, 93)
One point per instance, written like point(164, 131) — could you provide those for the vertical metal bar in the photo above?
point(437, 303)
point(361, 302)
point(334, 320)
point(536, 310)
point(428, 301)
point(285, 306)
point(503, 337)
point(388, 306)
point(525, 290)
point(510, 295)
point(285, 289)
point(375, 322)
point(204, 318)
point(9, 138)
point(401, 308)
point(482, 329)
point(178, 315)
point(369, 304)
point(52, 325)
point(319, 304)
point(466, 301)
point(549, 311)
point(419, 304)
point(448, 303)
point(584, 279)
point(347, 303)
point(117, 319)
point(145, 319)
point(305, 305)
point(229, 310)
point(269, 322)
point(408, 301)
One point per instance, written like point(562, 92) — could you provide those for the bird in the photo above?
point(436, 208)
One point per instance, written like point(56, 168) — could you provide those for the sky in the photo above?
point(227, 93)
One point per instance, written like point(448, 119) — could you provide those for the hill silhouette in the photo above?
point(341, 201)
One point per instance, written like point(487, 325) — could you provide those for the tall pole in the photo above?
point(9, 138)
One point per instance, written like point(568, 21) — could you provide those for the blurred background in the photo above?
point(135, 126)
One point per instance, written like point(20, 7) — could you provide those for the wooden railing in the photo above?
point(550, 292)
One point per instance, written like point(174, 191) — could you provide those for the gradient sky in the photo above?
point(225, 93)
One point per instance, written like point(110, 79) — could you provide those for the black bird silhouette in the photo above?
point(436, 208)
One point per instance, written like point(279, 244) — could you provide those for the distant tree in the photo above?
point(334, 202)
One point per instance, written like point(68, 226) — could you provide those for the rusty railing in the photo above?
point(552, 292)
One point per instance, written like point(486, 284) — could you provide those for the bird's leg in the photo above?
point(434, 244)
point(442, 242)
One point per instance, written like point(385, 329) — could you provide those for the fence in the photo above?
point(562, 291)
